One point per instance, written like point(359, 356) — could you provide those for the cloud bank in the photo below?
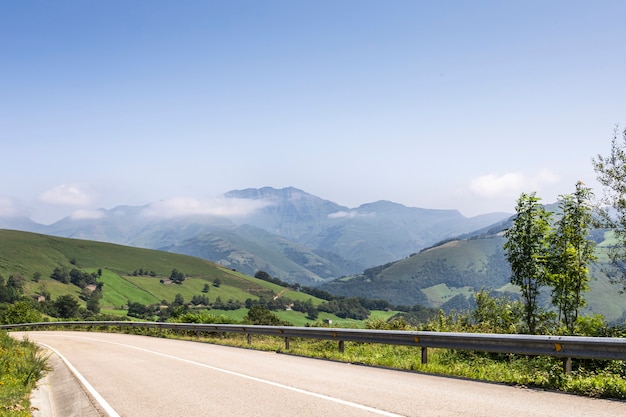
point(67, 195)
point(511, 184)
point(223, 207)
point(87, 214)
point(348, 215)
point(7, 208)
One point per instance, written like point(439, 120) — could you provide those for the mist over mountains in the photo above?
point(292, 235)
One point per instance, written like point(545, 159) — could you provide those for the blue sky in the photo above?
point(434, 104)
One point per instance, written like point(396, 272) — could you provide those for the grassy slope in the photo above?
point(28, 253)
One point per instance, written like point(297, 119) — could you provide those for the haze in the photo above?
point(446, 104)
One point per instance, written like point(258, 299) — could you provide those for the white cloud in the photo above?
point(87, 214)
point(7, 208)
point(226, 207)
point(347, 215)
point(67, 195)
point(511, 184)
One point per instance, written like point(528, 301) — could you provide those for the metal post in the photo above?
point(249, 338)
point(287, 343)
point(342, 346)
point(424, 355)
point(567, 365)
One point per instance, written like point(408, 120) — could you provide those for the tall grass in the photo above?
point(22, 364)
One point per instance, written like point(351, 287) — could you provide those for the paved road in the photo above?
point(143, 376)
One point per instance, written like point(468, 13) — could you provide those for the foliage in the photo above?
point(495, 314)
point(177, 277)
point(12, 290)
point(66, 306)
point(20, 312)
point(571, 252)
point(527, 250)
point(262, 316)
point(22, 364)
point(611, 173)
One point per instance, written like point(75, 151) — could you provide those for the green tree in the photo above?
point(206, 288)
point(93, 301)
point(526, 251)
point(611, 173)
point(66, 306)
point(21, 312)
point(571, 252)
point(495, 314)
point(177, 277)
point(262, 316)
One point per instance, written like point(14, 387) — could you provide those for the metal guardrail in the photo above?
point(566, 347)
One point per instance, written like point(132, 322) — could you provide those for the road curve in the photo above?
point(146, 376)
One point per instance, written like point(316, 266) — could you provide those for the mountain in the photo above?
point(446, 275)
point(292, 235)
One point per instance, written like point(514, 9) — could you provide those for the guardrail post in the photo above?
point(567, 365)
point(249, 336)
point(287, 343)
point(342, 346)
point(424, 355)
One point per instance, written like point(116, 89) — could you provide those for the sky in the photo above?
point(433, 104)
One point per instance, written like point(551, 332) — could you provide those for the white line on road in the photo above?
point(252, 378)
point(95, 394)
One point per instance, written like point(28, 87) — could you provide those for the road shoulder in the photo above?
point(60, 394)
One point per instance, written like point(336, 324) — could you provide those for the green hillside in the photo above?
point(35, 257)
point(445, 276)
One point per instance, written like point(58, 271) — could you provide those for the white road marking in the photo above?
point(252, 378)
point(95, 394)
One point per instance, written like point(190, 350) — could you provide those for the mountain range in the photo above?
point(291, 234)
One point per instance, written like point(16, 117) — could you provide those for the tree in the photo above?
point(611, 173)
point(61, 274)
point(66, 306)
point(262, 316)
point(93, 301)
point(206, 288)
point(21, 312)
point(177, 277)
point(571, 252)
point(526, 252)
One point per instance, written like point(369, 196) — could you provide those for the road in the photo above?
point(147, 376)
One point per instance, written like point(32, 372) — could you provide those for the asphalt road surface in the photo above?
point(144, 376)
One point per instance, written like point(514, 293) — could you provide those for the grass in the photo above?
point(21, 366)
point(537, 372)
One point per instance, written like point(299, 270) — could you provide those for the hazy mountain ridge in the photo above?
point(290, 234)
point(447, 274)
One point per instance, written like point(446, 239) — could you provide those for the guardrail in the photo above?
point(566, 347)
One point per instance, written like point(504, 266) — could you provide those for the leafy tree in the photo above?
point(526, 250)
point(61, 274)
point(66, 306)
point(138, 310)
point(571, 251)
point(495, 314)
point(200, 299)
point(178, 300)
point(262, 316)
point(217, 282)
point(21, 312)
point(93, 301)
point(611, 173)
point(177, 277)
point(206, 288)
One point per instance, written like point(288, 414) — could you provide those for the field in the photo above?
point(35, 256)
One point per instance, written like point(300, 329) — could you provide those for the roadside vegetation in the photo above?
point(550, 255)
point(22, 364)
